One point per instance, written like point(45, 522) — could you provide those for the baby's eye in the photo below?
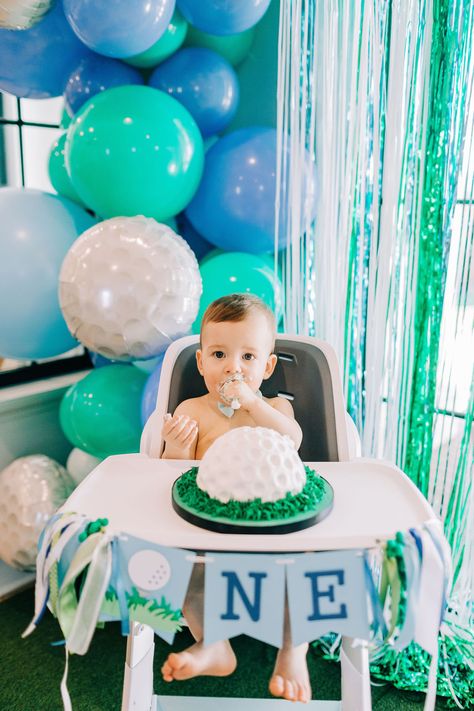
point(218, 354)
point(248, 356)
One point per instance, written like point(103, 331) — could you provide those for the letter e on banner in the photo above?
point(327, 593)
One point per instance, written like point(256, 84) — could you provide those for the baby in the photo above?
point(236, 355)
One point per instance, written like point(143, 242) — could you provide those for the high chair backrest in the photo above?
point(306, 373)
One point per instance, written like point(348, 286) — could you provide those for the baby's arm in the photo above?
point(180, 433)
point(278, 416)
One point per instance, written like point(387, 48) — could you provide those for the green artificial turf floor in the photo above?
point(31, 669)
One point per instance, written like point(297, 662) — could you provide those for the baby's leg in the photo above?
point(217, 659)
point(290, 678)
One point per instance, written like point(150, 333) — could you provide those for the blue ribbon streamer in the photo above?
point(379, 619)
point(116, 582)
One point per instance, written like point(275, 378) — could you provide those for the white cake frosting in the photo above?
point(247, 463)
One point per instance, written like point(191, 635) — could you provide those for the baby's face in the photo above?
point(231, 347)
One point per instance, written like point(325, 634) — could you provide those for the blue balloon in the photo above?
point(204, 82)
point(223, 17)
point(198, 244)
point(121, 28)
point(150, 391)
point(98, 360)
point(36, 231)
point(234, 207)
point(36, 63)
point(94, 74)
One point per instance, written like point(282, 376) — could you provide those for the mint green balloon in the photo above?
point(101, 413)
point(134, 150)
point(238, 272)
point(168, 43)
point(233, 47)
point(57, 171)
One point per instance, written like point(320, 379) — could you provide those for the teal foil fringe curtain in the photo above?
point(380, 96)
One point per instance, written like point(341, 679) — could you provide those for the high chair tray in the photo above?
point(372, 501)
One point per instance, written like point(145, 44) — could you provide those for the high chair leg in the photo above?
point(138, 677)
point(355, 679)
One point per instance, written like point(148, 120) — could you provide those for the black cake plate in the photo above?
point(220, 524)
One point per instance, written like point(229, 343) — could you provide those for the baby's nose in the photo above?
point(233, 365)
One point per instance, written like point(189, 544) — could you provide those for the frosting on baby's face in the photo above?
point(240, 349)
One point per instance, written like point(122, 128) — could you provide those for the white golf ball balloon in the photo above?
point(31, 490)
point(128, 287)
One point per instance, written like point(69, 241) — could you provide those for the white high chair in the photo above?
point(307, 374)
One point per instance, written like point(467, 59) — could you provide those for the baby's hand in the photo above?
point(240, 391)
point(179, 431)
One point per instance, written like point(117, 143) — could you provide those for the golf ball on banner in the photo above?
point(128, 287)
point(149, 570)
point(31, 490)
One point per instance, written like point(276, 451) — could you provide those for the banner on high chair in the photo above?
point(245, 594)
point(327, 593)
point(148, 585)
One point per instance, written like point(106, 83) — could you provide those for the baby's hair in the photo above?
point(236, 307)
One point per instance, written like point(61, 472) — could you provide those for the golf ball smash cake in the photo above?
point(251, 480)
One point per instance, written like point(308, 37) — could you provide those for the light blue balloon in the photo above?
point(36, 63)
point(223, 17)
point(36, 231)
point(150, 391)
point(121, 28)
point(94, 74)
point(204, 82)
point(234, 207)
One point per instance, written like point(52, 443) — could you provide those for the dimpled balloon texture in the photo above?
point(204, 82)
point(223, 17)
point(249, 463)
point(31, 490)
point(94, 74)
point(120, 28)
point(36, 63)
point(101, 413)
point(133, 150)
point(128, 287)
point(36, 231)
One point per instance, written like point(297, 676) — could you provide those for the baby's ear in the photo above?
point(199, 360)
point(270, 367)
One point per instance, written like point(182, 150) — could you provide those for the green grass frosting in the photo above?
point(256, 510)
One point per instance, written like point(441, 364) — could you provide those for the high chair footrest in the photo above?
point(208, 703)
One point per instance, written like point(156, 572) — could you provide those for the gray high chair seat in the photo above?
point(306, 374)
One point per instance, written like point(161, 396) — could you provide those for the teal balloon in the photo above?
point(167, 45)
point(133, 150)
point(36, 232)
point(234, 48)
point(101, 413)
point(58, 175)
point(238, 272)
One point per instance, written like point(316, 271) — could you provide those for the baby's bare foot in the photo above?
point(290, 678)
point(216, 660)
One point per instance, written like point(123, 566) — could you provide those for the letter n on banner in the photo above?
point(327, 593)
point(244, 594)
